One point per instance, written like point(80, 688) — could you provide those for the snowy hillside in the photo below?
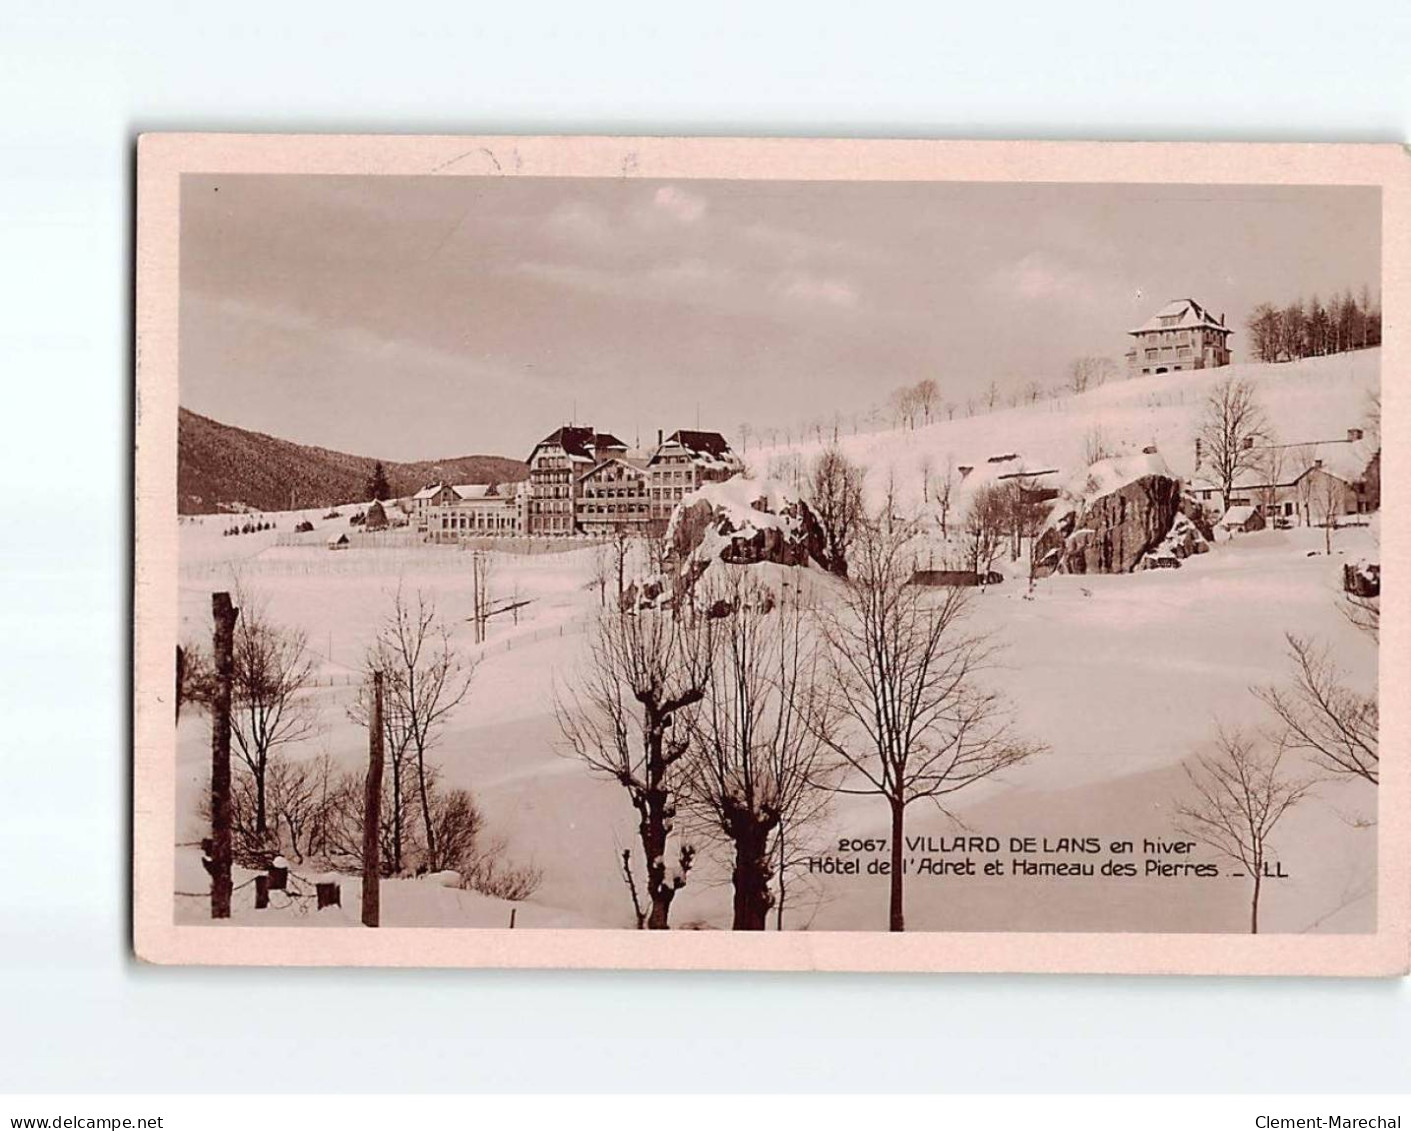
point(1313, 399)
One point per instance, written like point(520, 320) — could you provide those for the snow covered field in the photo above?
point(1123, 677)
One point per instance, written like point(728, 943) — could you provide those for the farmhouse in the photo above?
point(686, 460)
point(475, 510)
point(557, 466)
point(1305, 484)
point(1181, 335)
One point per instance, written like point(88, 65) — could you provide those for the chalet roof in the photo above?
point(429, 492)
point(703, 447)
point(1190, 314)
point(633, 462)
point(581, 443)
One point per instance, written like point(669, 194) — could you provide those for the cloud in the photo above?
point(799, 286)
point(678, 204)
point(1041, 278)
point(577, 222)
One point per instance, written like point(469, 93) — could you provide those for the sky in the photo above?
point(430, 317)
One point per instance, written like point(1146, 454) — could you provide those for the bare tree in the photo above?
point(1240, 793)
point(1269, 464)
point(1230, 431)
point(907, 714)
point(643, 670)
point(904, 406)
point(1337, 726)
point(985, 522)
point(756, 764)
point(1088, 372)
point(1097, 446)
point(945, 493)
point(1328, 497)
point(835, 494)
point(425, 681)
point(1305, 485)
point(270, 707)
point(928, 395)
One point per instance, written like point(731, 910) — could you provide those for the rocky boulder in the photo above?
point(1121, 510)
point(744, 522)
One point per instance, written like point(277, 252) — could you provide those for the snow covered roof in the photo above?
point(1237, 516)
point(1283, 465)
point(709, 449)
point(428, 492)
point(1182, 314)
point(580, 443)
point(631, 462)
point(475, 490)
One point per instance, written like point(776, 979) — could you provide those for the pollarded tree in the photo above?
point(644, 670)
point(270, 707)
point(756, 763)
point(1231, 431)
point(907, 712)
point(1241, 790)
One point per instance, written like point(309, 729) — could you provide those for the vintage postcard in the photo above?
point(771, 554)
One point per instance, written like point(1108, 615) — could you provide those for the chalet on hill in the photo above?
point(1181, 335)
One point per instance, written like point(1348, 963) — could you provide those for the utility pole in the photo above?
point(218, 848)
point(372, 811)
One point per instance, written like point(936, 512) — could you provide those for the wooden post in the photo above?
point(219, 861)
point(261, 892)
point(372, 811)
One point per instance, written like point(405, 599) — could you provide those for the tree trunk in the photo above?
point(654, 829)
point(396, 814)
point(1254, 904)
point(372, 812)
point(897, 917)
point(430, 862)
point(219, 858)
point(261, 812)
point(751, 874)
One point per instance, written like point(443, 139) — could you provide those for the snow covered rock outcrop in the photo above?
point(740, 522)
point(1117, 512)
point(745, 522)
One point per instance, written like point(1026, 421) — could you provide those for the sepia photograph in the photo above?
point(770, 554)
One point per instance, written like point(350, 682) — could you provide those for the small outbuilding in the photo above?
point(338, 542)
point(1242, 520)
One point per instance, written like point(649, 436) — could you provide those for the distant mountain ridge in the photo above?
point(219, 466)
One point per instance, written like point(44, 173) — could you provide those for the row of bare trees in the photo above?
point(737, 730)
point(307, 808)
point(1312, 329)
